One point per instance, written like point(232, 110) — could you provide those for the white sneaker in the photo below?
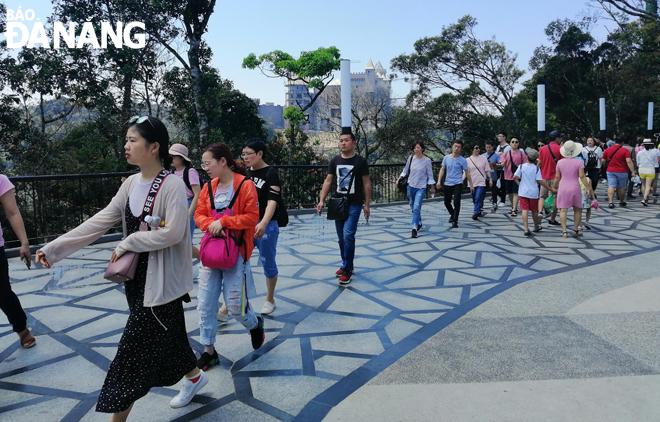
point(268, 308)
point(224, 318)
point(188, 391)
point(501, 204)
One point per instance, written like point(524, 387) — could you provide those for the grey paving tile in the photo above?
point(367, 343)
point(276, 391)
point(319, 322)
point(59, 377)
point(286, 355)
point(338, 365)
point(51, 410)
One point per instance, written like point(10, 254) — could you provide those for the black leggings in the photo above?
point(9, 302)
point(453, 193)
point(594, 176)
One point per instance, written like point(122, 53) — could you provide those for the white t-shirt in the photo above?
point(138, 195)
point(647, 161)
point(529, 174)
point(596, 150)
point(222, 198)
point(503, 149)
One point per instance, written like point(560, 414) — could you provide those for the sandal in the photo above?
point(514, 213)
point(623, 204)
point(645, 202)
point(527, 233)
point(587, 226)
point(578, 232)
point(611, 205)
point(27, 339)
point(510, 212)
point(537, 229)
point(564, 234)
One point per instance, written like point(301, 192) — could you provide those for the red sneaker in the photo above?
point(345, 278)
point(339, 273)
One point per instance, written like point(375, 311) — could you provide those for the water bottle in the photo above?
point(152, 221)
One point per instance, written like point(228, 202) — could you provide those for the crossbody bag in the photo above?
point(338, 204)
point(124, 268)
point(402, 184)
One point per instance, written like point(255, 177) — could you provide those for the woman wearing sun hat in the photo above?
point(567, 180)
point(647, 160)
point(184, 170)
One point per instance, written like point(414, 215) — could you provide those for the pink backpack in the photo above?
point(221, 252)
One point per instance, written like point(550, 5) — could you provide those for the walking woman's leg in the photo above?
point(417, 196)
point(121, 416)
point(9, 302)
point(209, 286)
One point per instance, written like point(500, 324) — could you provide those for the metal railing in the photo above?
point(53, 205)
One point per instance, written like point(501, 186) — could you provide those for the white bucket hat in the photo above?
point(570, 149)
point(180, 150)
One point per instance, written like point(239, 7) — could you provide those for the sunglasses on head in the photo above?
point(140, 119)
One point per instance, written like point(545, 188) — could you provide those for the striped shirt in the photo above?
point(421, 173)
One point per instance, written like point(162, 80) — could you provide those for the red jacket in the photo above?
point(245, 212)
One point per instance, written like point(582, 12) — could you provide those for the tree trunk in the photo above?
point(195, 41)
point(126, 104)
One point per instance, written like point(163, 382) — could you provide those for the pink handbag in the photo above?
point(221, 252)
point(122, 269)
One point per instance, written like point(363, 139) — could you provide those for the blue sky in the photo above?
point(361, 30)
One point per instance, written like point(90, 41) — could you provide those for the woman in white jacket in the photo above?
point(154, 350)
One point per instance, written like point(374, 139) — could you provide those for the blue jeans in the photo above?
point(267, 246)
point(346, 233)
point(232, 283)
point(478, 198)
point(192, 221)
point(415, 197)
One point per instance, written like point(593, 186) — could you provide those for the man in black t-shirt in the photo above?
point(351, 173)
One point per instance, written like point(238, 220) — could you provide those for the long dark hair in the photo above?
point(221, 150)
point(154, 131)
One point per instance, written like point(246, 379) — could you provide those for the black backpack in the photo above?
point(281, 214)
point(592, 159)
point(186, 178)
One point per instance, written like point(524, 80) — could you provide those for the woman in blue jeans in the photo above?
point(267, 182)
point(420, 173)
point(479, 172)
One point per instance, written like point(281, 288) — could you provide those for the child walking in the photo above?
point(528, 177)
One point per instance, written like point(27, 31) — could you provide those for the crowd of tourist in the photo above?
point(241, 207)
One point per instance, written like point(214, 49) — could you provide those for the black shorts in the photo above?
point(657, 170)
point(511, 186)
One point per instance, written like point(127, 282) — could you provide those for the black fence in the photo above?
point(52, 205)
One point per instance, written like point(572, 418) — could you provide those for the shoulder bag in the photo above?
point(402, 184)
point(514, 167)
point(338, 204)
point(612, 156)
point(124, 268)
point(552, 153)
point(282, 215)
point(221, 252)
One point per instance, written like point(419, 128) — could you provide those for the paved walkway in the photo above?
point(421, 331)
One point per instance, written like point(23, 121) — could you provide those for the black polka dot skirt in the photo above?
point(148, 355)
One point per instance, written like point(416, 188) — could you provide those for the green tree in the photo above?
point(313, 69)
point(482, 70)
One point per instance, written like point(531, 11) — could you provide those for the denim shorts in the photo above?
point(267, 246)
point(617, 180)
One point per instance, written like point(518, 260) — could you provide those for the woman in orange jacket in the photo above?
point(227, 175)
